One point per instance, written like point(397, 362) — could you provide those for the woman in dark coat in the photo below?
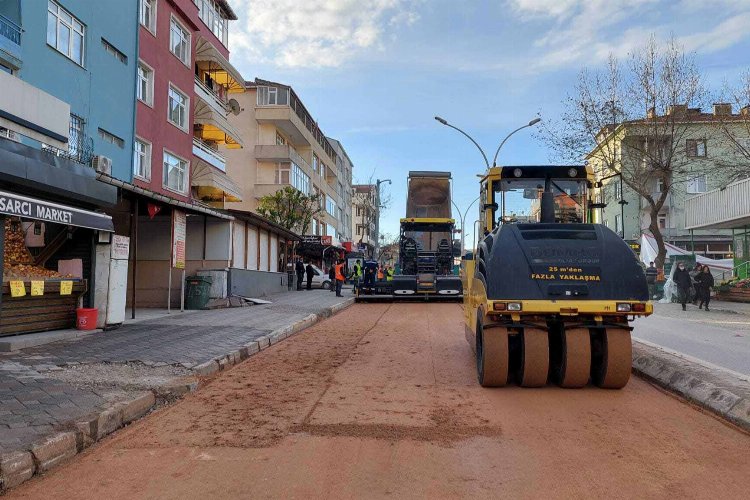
point(704, 282)
point(681, 278)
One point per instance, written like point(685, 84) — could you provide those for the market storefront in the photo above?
point(47, 265)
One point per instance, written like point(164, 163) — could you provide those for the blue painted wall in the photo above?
point(102, 92)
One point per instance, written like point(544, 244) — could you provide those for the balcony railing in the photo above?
point(10, 30)
point(208, 154)
point(210, 96)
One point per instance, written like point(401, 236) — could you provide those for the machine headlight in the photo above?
point(514, 306)
point(572, 172)
point(518, 172)
point(624, 308)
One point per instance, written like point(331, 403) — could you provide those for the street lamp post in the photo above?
point(377, 214)
point(530, 124)
point(463, 223)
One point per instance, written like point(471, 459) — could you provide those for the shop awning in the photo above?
point(33, 208)
point(213, 183)
point(216, 127)
point(208, 58)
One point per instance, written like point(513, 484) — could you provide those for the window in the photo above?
point(697, 185)
point(142, 160)
point(75, 135)
point(5, 68)
point(315, 226)
point(300, 179)
point(618, 224)
point(659, 185)
point(282, 173)
point(179, 41)
point(618, 191)
point(145, 89)
point(177, 111)
point(210, 14)
point(322, 169)
point(316, 163)
point(273, 96)
point(696, 148)
point(65, 32)
point(175, 173)
point(280, 141)
point(112, 50)
point(359, 211)
point(662, 221)
point(330, 230)
point(111, 138)
point(331, 207)
point(148, 15)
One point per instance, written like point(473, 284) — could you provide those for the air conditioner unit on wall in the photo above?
point(102, 164)
point(9, 134)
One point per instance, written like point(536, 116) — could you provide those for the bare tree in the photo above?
point(735, 129)
point(631, 121)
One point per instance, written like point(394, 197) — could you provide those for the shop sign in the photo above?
point(326, 240)
point(120, 247)
point(66, 287)
point(635, 246)
point(37, 288)
point(32, 208)
point(311, 239)
point(179, 231)
point(17, 289)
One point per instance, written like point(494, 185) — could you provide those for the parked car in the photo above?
point(320, 279)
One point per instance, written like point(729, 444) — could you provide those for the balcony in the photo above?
point(208, 154)
point(281, 153)
point(720, 208)
point(210, 60)
point(10, 40)
point(211, 115)
point(33, 112)
point(211, 97)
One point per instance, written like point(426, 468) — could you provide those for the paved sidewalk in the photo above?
point(43, 388)
point(719, 338)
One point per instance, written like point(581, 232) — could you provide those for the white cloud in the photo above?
point(587, 31)
point(315, 33)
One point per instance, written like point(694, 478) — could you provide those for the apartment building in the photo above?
point(286, 147)
point(67, 72)
point(703, 156)
point(344, 168)
point(364, 215)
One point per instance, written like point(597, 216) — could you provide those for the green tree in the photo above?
point(290, 208)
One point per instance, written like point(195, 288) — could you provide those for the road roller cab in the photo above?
point(551, 294)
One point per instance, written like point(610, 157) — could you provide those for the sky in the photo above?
point(374, 73)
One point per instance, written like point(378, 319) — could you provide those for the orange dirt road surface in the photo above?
point(382, 401)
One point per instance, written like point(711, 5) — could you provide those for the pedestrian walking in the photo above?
point(339, 270)
point(332, 277)
point(694, 287)
point(681, 278)
point(357, 274)
point(651, 274)
point(299, 269)
point(704, 283)
point(310, 273)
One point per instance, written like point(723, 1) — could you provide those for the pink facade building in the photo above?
point(184, 88)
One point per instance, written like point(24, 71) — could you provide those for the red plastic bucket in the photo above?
point(86, 318)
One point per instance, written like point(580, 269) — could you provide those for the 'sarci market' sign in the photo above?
point(31, 208)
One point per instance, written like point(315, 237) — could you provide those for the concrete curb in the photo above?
point(228, 360)
point(19, 466)
point(715, 390)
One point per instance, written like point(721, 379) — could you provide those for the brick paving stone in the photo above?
point(31, 397)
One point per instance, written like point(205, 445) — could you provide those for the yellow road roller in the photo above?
point(548, 295)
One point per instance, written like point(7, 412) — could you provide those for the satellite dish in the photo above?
point(234, 106)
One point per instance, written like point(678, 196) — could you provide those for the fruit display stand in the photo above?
point(34, 298)
point(49, 311)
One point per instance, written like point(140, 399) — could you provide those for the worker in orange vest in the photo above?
point(380, 273)
point(339, 277)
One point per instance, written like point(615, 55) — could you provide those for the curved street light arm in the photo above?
point(530, 124)
point(444, 122)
